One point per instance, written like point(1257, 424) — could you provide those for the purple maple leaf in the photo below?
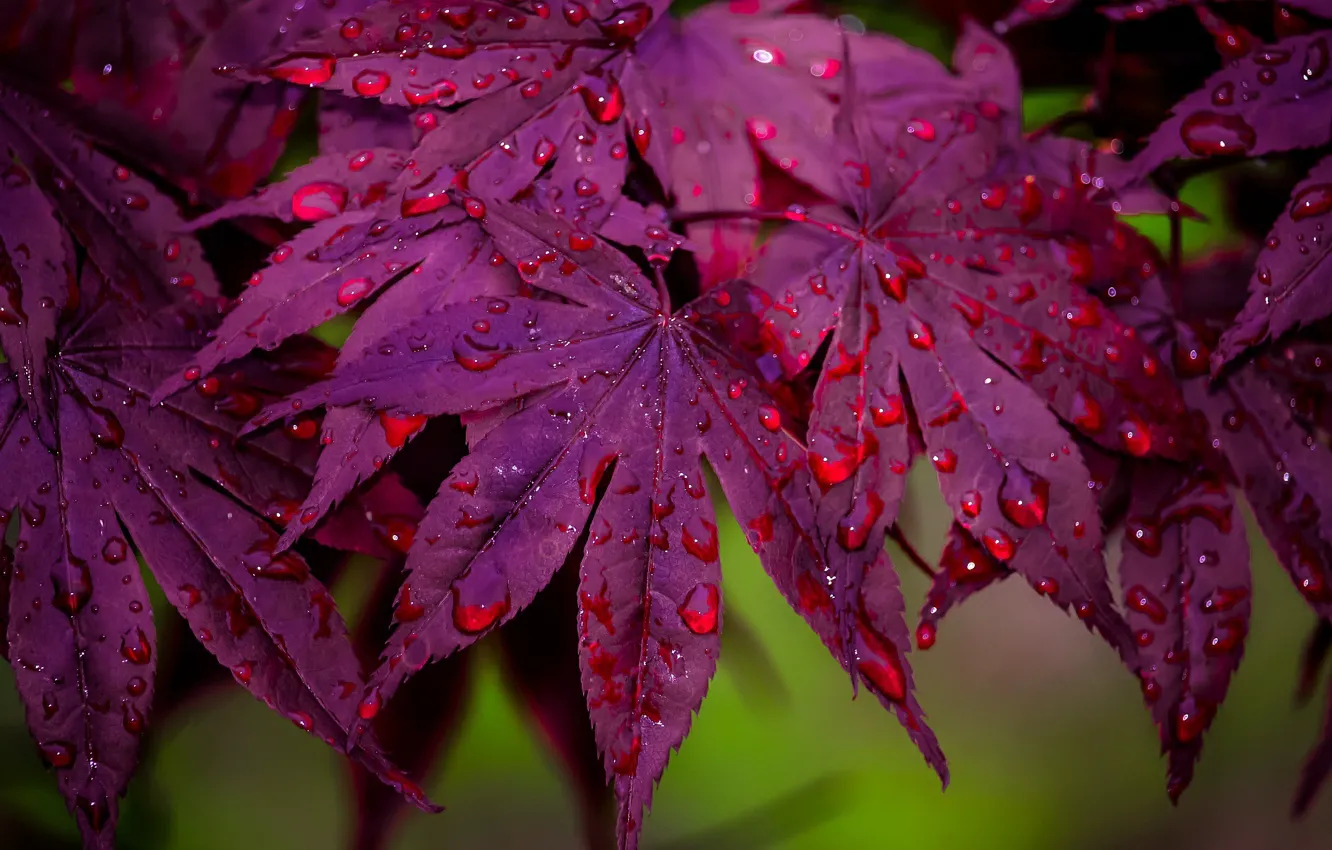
point(620, 399)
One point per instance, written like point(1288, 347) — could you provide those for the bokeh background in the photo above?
point(1049, 743)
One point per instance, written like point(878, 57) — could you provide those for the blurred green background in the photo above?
point(1049, 743)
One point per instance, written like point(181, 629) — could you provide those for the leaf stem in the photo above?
point(895, 534)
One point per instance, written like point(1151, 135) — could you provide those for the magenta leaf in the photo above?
point(1186, 584)
point(623, 401)
point(143, 75)
point(120, 475)
point(1252, 106)
point(1292, 284)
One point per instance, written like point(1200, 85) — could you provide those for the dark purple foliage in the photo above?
point(600, 259)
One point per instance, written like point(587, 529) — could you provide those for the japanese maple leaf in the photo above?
point(1185, 574)
point(527, 88)
point(620, 399)
point(1292, 284)
point(143, 75)
point(951, 295)
point(1257, 420)
point(106, 471)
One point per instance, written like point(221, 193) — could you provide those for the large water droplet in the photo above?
point(318, 201)
point(699, 609)
point(479, 601)
point(1211, 133)
point(307, 69)
point(1024, 498)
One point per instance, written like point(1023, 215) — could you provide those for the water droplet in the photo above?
point(627, 23)
point(57, 754)
point(1313, 201)
point(305, 69)
point(351, 28)
point(353, 290)
point(1211, 133)
point(135, 648)
point(999, 544)
point(970, 503)
point(921, 129)
point(1135, 437)
point(699, 538)
point(399, 429)
point(475, 208)
point(1144, 535)
point(879, 664)
point(1223, 95)
point(604, 108)
point(919, 334)
point(1139, 599)
point(853, 530)
point(699, 610)
point(926, 634)
point(945, 460)
point(1024, 498)
point(370, 83)
point(479, 601)
point(770, 417)
point(318, 201)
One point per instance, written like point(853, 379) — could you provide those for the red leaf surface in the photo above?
point(1186, 585)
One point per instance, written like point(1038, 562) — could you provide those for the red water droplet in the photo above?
point(945, 460)
point(545, 149)
point(131, 719)
point(770, 417)
point(993, 197)
point(407, 611)
point(699, 609)
point(137, 686)
point(107, 431)
point(926, 634)
point(135, 648)
point(832, 468)
point(853, 530)
point(1139, 599)
point(351, 28)
point(1144, 535)
point(369, 707)
point(1191, 358)
point(604, 108)
point(627, 23)
point(479, 603)
point(318, 201)
point(1024, 498)
point(1189, 724)
point(353, 290)
point(305, 69)
point(57, 754)
point(919, 334)
point(1133, 434)
point(370, 83)
point(888, 410)
point(699, 538)
point(1211, 133)
point(72, 586)
point(475, 208)
point(399, 429)
point(96, 810)
point(1086, 412)
point(1047, 587)
point(921, 129)
point(1315, 200)
point(970, 503)
point(879, 664)
point(1224, 599)
point(1030, 200)
point(580, 242)
point(998, 543)
point(1225, 638)
point(1223, 95)
point(894, 285)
